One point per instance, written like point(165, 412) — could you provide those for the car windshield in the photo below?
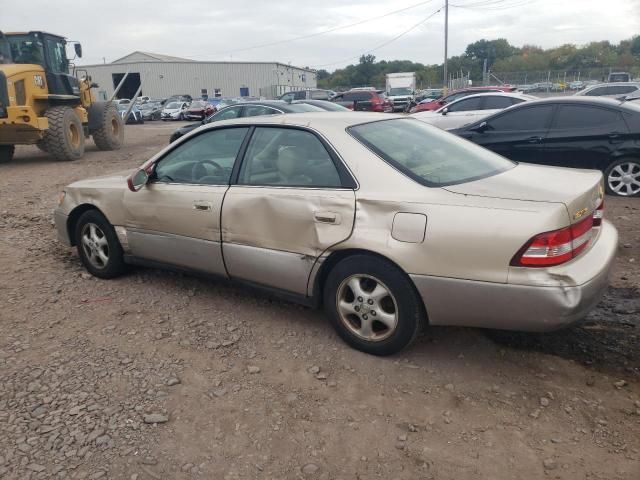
point(429, 155)
point(173, 105)
point(399, 91)
point(302, 107)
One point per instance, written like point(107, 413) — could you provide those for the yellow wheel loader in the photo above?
point(41, 103)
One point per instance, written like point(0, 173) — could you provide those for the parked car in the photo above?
point(122, 101)
point(199, 110)
point(135, 116)
point(246, 109)
point(323, 104)
point(619, 77)
point(174, 111)
point(617, 89)
point(151, 111)
point(364, 100)
point(576, 85)
point(380, 218)
point(579, 132)
point(471, 108)
point(143, 99)
point(311, 94)
point(179, 98)
point(433, 105)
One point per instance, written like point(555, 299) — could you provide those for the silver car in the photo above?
point(389, 223)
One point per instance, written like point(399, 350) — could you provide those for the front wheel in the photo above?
point(98, 245)
point(373, 305)
point(6, 153)
point(622, 177)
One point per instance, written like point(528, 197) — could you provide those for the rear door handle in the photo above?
point(534, 140)
point(615, 136)
point(204, 206)
point(327, 217)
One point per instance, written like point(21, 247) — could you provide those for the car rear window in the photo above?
point(427, 154)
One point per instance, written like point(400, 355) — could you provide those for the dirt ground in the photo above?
point(162, 376)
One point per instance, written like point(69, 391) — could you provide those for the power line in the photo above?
point(382, 44)
point(323, 32)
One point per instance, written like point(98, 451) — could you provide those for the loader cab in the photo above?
point(50, 52)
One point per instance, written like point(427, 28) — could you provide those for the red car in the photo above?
point(431, 105)
point(364, 100)
point(199, 110)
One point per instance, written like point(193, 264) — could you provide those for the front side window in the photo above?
point(287, 97)
point(226, 114)
point(57, 56)
point(205, 159)
point(428, 155)
point(287, 157)
point(465, 105)
point(257, 110)
point(523, 119)
point(497, 103)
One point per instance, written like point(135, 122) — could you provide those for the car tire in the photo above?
point(622, 177)
point(6, 153)
point(360, 291)
point(98, 246)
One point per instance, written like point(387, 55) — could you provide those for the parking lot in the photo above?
point(158, 375)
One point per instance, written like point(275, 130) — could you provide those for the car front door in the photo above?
point(293, 199)
point(459, 113)
point(175, 218)
point(519, 134)
point(584, 136)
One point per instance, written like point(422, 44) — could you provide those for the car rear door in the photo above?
point(175, 218)
point(293, 199)
point(584, 136)
point(519, 133)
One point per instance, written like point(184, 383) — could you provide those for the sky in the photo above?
point(230, 29)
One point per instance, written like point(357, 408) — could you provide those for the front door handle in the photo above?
point(204, 206)
point(615, 137)
point(534, 140)
point(327, 217)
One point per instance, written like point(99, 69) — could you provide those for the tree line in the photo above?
point(500, 56)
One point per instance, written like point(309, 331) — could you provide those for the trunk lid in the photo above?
point(579, 190)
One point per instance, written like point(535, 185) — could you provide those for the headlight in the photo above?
point(61, 197)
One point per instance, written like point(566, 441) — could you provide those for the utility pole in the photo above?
point(446, 42)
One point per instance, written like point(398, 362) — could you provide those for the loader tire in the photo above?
point(42, 146)
point(64, 139)
point(110, 133)
point(6, 153)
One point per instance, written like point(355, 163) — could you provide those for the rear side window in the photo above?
point(319, 95)
point(300, 95)
point(427, 154)
point(583, 116)
point(523, 119)
point(499, 102)
point(356, 96)
point(257, 110)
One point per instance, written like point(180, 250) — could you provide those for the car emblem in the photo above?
point(580, 213)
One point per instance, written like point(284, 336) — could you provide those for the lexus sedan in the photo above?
point(387, 222)
point(469, 109)
point(135, 116)
point(580, 132)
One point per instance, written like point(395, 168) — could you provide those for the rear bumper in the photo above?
point(536, 308)
point(60, 219)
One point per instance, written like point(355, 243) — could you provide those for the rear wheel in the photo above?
point(64, 139)
point(373, 305)
point(6, 153)
point(98, 245)
point(622, 177)
point(110, 134)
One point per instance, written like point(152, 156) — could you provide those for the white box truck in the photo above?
point(401, 89)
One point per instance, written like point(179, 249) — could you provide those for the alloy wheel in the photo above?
point(367, 307)
point(624, 179)
point(95, 245)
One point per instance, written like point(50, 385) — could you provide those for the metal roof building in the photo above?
point(162, 76)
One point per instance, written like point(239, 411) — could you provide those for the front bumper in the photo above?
point(60, 219)
point(559, 299)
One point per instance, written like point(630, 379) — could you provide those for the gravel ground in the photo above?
point(162, 376)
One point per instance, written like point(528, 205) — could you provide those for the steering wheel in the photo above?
point(198, 171)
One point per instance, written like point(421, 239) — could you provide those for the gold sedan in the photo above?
point(389, 223)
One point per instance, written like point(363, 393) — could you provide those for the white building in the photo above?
point(162, 76)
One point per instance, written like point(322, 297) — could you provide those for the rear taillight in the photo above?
point(598, 214)
point(557, 247)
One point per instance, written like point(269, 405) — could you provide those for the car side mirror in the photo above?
point(480, 128)
point(445, 111)
point(137, 180)
point(78, 49)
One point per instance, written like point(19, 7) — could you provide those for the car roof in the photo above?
point(498, 94)
point(602, 101)
point(312, 119)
